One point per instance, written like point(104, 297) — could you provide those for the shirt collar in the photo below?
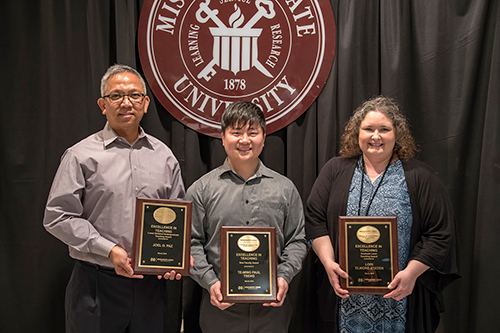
point(110, 136)
point(262, 170)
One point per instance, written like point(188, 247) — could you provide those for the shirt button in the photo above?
point(137, 189)
point(248, 222)
point(246, 201)
point(135, 168)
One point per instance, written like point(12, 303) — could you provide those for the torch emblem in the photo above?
point(199, 56)
point(235, 48)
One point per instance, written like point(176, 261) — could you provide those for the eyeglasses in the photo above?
point(135, 98)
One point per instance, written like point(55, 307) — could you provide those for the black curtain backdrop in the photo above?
point(439, 59)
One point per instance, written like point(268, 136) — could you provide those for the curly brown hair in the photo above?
point(405, 147)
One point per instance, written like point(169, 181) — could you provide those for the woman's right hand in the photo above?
point(334, 271)
point(324, 250)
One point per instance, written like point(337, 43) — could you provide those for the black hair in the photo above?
point(239, 113)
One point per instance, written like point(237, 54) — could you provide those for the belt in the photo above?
point(96, 266)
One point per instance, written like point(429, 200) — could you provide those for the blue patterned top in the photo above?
point(373, 313)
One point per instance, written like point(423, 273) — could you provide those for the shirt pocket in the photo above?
point(272, 213)
point(157, 185)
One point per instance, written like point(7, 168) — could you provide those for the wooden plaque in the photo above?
point(248, 264)
point(368, 252)
point(162, 236)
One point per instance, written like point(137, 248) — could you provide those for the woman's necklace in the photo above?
point(363, 180)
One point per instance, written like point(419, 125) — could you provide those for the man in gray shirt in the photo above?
point(244, 192)
point(91, 208)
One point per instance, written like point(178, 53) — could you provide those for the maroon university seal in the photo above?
point(199, 56)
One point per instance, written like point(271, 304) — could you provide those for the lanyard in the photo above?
point(363, 180)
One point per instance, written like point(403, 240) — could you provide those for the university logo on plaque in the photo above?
point(199, 56)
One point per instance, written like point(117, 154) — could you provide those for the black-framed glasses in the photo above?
point(135, 98)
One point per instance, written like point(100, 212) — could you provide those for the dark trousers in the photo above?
point(99, 300)
point(244, 318)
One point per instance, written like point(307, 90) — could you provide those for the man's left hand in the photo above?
point(172, 275)
point(281, 295)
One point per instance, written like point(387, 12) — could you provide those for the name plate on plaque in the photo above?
point(368, 252)
point(248, 264)
point(162, 236)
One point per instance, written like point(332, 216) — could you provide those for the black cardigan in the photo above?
point(433, 238)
